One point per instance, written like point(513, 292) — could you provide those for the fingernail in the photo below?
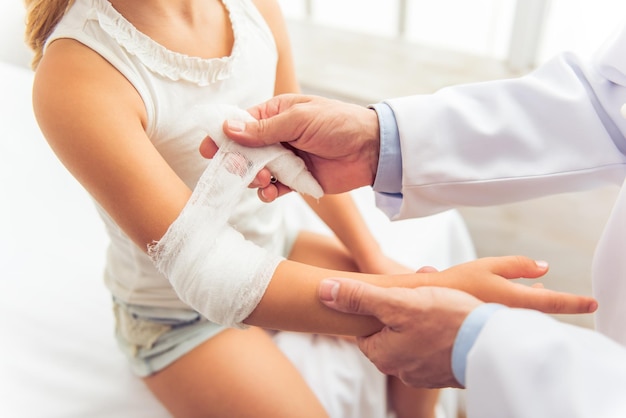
point(236, 125)
point(541, 264)
point(328, 290)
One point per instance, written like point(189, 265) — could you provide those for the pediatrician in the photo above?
point(556, 130)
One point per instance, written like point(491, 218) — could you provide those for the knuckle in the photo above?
point(371, 353)
point(354, 297)
point(263, 130)
point(557, 305)
point(521, 261)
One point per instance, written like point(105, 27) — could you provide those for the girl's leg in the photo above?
point(327, 252)
point(411, 402)
point(237, 373)
point(321, 251)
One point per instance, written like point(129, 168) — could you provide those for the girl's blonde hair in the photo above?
point(41, 18)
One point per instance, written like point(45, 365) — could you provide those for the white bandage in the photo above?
point(212, 267)
point(288, 168)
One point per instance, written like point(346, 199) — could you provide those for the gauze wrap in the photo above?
point(211, 266)
point(282, 163)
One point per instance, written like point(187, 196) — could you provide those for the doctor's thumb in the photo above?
point(351, 296)
point(283, 127)
point(256, 133)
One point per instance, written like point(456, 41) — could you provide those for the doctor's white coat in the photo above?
point(556, 130)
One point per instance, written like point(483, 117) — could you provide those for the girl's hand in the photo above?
point(268, 189)
point(487, 279)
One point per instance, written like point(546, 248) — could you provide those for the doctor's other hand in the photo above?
point(339, 142)
point(420, 324)
point(419, 327)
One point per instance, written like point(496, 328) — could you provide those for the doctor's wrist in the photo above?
point(370, 150)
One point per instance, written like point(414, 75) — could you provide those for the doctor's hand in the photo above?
point(339, 142)
point(420, 327)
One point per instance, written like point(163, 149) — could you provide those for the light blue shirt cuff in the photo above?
point(467, 335)
point(389, 172)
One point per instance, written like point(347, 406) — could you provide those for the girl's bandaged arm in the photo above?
point(211, 266)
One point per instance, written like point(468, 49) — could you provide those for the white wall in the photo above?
point(472, 26)
point(13, 49)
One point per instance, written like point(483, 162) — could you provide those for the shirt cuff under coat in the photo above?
point(467, 335)
point(389, 172)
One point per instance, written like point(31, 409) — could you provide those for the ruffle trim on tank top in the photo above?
point(162, 61)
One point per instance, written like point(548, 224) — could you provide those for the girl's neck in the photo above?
point(147, 11)
point(199, 28)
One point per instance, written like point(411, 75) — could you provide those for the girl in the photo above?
point(118, 94)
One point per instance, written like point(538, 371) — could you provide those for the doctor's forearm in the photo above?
point(553, 131)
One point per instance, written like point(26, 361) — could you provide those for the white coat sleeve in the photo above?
point(558, 129)
point(524, 364)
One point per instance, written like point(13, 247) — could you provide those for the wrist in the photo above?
point(370, 151)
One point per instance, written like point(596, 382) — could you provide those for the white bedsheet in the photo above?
point(57, 353)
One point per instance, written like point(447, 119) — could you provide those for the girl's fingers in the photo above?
point(208, 148)
point(550, 301)
point(515, 266)
point(262, 179)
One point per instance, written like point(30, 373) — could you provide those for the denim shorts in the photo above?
point(152, 338)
